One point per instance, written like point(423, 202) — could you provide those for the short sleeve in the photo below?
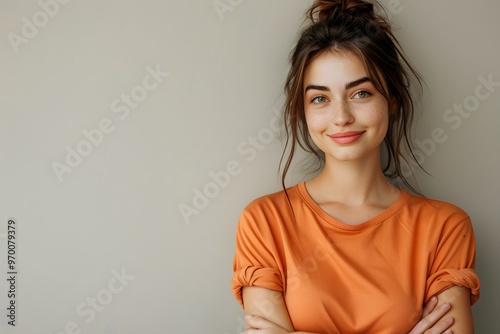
point(454, 261)
point(257, 259)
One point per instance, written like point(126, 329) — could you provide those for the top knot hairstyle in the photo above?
point(355, 27)
point(324, 9)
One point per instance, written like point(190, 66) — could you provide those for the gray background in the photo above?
point(119, 209)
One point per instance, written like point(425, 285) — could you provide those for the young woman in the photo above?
point(348, 251)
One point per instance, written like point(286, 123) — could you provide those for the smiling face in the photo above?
point(346, 115)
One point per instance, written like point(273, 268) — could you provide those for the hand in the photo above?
point(433, 320)
point(258, 325)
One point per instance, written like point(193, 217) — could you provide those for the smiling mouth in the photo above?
point(346, 137)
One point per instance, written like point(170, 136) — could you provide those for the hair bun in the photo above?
point(322, 9)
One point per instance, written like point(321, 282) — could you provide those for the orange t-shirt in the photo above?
point(368, 278)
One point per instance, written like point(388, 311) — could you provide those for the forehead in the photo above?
point(334, 67)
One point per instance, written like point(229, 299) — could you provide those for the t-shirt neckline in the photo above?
point(391, 210)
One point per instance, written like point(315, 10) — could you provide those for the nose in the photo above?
point(341, 114)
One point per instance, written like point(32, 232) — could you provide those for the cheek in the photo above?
point(379, 117)
point(316, 122)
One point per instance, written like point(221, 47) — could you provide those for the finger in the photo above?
point(441, 327)
point(256, 331)
point(430, 320)
point(256, 322)
point(429, 307)
point(248, 326)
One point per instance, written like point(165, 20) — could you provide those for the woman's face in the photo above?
point(346, 116)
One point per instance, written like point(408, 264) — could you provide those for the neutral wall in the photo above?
point(171, 108)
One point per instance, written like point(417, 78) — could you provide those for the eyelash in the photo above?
point(368, 94)
point(365, 92)
point(314, 99)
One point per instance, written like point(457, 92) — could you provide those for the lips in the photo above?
point(346, 137)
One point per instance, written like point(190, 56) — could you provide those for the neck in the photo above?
point(353, 182)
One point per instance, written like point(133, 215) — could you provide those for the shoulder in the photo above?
point(271, 209)
point(434, 211)
point(433, 206)
point(277, 201)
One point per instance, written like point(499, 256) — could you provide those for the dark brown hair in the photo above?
point(353, 26)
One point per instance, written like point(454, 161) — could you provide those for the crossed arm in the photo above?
point(449, 313)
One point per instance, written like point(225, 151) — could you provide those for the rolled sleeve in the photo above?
point(269, 278)
point(454, 262)
point(447, 278)
point(257, 259)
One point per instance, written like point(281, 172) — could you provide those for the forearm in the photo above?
point(268, 304)
point(434, 320)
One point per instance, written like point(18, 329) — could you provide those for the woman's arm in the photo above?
point(459, 299)
point(269, 314)
point(266, 312)
point(267, 304)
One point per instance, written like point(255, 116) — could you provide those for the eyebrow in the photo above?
point(348, 85)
